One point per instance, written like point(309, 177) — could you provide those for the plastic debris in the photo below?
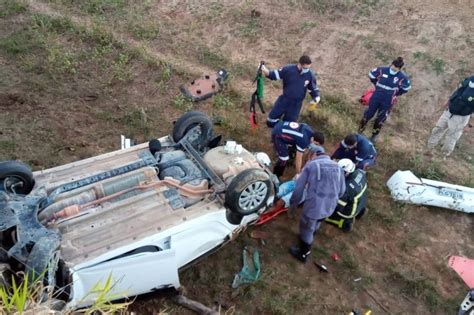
point(322, 268)
point(250, 271)
point(335, 256)
point(357, 279)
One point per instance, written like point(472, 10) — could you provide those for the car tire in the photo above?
point(190, 120)
point(234, 218)
point(248, 192)
point(13, 173)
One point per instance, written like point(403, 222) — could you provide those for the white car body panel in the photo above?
point(407, 187)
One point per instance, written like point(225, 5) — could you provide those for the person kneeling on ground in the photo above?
point(351, 205)
point(287, 134)
point(358, 149)
point(324, 182)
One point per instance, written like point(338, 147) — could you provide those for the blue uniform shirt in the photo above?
point(363, 150)
point(298, 134)
point(296, 83)
point(389, 85)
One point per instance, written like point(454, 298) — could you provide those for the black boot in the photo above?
point(301, 252)
point(362, 124)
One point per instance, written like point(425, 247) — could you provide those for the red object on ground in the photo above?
point(264, 218)
point(365, 98)
point(335, 256)
point(464, 267)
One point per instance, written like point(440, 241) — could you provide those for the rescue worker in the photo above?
point(389, 83)
point(459, 110)
point(324, 182)
point(298, 135)
point(358, 149)
point(285, 189)
point(297, 78)
point(351, 205)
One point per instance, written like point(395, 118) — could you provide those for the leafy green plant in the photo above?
point(121, 68)
point(183, 103)
point(102, 293)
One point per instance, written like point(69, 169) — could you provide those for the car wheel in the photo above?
point(248, 191)
point(16, 177)
point(43, 262)
point(190, 120)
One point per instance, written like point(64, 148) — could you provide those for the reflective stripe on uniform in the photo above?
point(354, 205)
point(341, 202)
point(406, 88)
point(386, 87)
point(371, 75)
point(292, 132)
point(277, 75)
point(338, 223)
point(284, 158)
point(272, 120)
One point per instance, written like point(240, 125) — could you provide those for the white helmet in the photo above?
point(347, 165)
point(263, 158)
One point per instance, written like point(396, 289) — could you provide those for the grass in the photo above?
point(437, 64)
point(12, 7)
point(419, 287)
point(183, 103)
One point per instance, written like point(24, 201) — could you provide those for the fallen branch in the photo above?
point(376, 301)
point(194, 306)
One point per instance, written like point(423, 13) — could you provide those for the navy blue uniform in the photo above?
point(362, 155)
point(290, 133)
point(295, 84)
point(387, 87)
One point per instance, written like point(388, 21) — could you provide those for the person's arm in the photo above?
point(373, 75)
point(277, 74)
point(298, 161)
point(342, 183)
point(405, 86)
point(313, 89)
point(339, 153)
point(299, 188)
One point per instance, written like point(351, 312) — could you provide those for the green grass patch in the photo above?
point(437, 64)
point(12, 7)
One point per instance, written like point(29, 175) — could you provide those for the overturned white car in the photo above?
point(137, 215)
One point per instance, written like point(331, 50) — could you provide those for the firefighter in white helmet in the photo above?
point(351, 205)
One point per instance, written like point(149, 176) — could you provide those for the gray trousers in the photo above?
point(451, 127)
point(308, 227)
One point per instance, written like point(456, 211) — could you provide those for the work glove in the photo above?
point(315, 100)
point(313, 104)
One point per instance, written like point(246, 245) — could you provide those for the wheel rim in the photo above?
point(252, 196)
point(12, 184)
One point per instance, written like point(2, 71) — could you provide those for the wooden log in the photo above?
point(194, 306)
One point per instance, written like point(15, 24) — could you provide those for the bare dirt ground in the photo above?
point(76, 75)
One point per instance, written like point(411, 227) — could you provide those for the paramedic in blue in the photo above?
point(298, 135)
point(389, 83)
point(358, 149)
point(297, 78)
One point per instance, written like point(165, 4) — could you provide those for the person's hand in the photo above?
point(264, 69)
point(315, 100)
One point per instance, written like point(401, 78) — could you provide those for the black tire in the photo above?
point(190, 120)
point(16, 177)
point(248, 191)
point(234, 218)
